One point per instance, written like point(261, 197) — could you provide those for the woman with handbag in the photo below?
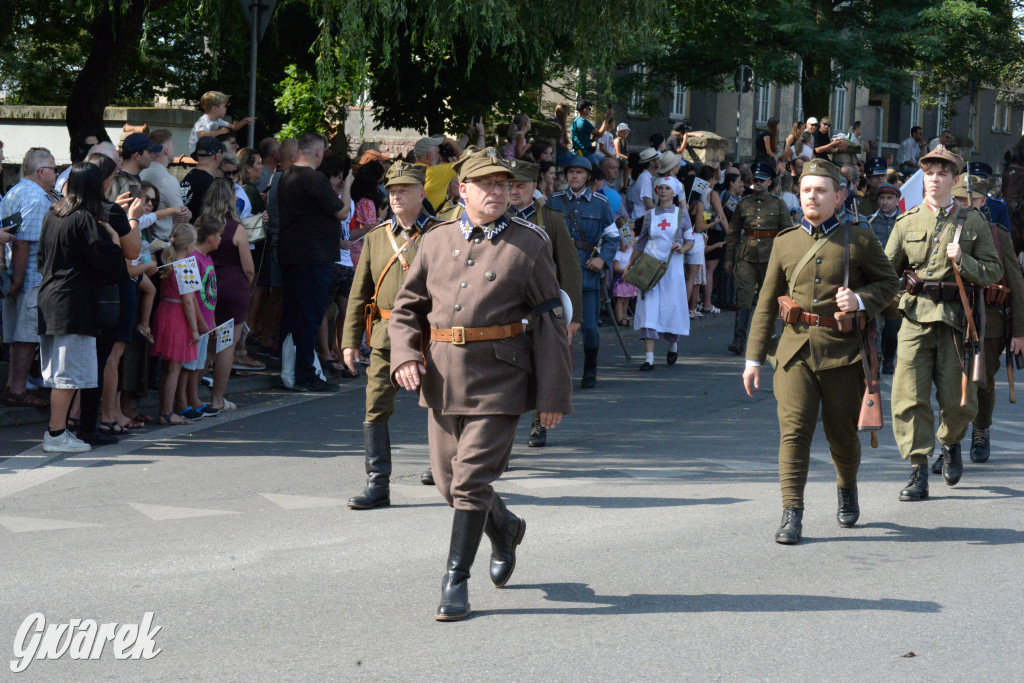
point(662, 312)
point(79, 253)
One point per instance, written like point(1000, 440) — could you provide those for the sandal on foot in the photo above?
point(173, 419)
point(145, 333)
point(112, 428)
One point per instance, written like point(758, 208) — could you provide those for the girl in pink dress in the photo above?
point(176, 331)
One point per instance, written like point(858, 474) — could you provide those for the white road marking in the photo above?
point(161, 513)
point(293, 502)
point(20, 525)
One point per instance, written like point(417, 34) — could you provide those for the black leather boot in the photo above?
point(538, 435)
point(849, 507)
point(427, 478)
point(506, 531)
point(980, 446)
point(589, 380)
point(952, 464)
point(791, 527)
point(937, 465)
point(917, 487)
point(467, 529)
point(739, 331)
point(377, 443)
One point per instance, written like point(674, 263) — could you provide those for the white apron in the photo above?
point(664, 308)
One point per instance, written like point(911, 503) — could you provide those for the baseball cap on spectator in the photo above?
point(373, 155)
point(424, 145)
point(137, 143)
point(621, 127)
point(207, 146)
point(812, 121)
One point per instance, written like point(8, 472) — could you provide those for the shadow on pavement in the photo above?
point(716, 602)
point(615, 502)
point(900, 532)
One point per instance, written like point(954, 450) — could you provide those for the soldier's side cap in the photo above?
point(877, 166)
point(526, 172)
point(823, 167)
point(578, 161)
point(980, 169)
point(887, 187)
point(979, 187)
point(941, 153)
point(403, 173)
point(764, 171)
point(482, 163)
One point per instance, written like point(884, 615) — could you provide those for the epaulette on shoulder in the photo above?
point(602, 197)
point(378, 227)
point(527, 224)
point(908, 212)
point(785, 230)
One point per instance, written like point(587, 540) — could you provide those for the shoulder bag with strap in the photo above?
point(647, 270)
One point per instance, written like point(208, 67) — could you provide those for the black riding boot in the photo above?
point(506, 531)
point(849, 507)
point(377, 443)
point(589, 380)
point(467, 529)
point(952, 464)
point(739, 331)
point(538, 435)
point(980, 446)
point(791, 527)
point(427, 478)
point(917, 487)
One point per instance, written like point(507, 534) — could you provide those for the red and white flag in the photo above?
point(912, 191)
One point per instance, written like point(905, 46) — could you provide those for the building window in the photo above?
point(1006, 118)
point(1000, 118)
point(638, 78)
point(763, 104)
point(680, 97)
point(915, 106)
point(839, 109)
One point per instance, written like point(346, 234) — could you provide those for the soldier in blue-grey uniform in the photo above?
point(996, 208)
point(592, 227)
point(875, 171)
point(882, 223)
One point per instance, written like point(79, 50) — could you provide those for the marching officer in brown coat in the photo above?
point(818, 364)
point(457, 335)
point(755, 223)
point(388, 252)
point(523, 205)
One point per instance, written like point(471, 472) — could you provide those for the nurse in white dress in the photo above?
point(663, 314)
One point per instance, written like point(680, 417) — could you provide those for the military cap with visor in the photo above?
point(979, 169)
point(525, 171)
point(763, 171)
point(823, 167)
point(404, 173)
point(979, 187)
point(942, 154)
point(877, 166)
point(479, 164)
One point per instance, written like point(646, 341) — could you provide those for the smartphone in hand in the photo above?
point(12, 223)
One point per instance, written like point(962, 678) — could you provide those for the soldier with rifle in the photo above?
point(943, 252)
point(826, 280)
point(1003, 331)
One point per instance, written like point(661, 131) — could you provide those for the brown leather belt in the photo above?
point(762, 234)
point(816, 320)
point(384, 313)
point(944, 291)
point(460, 335)
point(586, 246)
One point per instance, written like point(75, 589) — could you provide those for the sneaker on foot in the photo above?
point(65, 443)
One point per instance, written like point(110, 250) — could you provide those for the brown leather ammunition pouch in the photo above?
point(789, 310)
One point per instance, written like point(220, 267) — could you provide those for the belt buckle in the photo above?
point(459, 336)
point(817, 320)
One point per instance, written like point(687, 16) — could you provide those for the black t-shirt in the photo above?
point(761, 152)
point(193, 190)
point(820, 140)
point(309, 232)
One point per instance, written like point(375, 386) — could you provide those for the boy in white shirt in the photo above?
point(215, 104)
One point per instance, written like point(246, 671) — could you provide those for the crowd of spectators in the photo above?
point(276, 233)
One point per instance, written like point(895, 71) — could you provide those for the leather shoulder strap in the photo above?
point(397, 249)
point(846, 256)
point(999, 250)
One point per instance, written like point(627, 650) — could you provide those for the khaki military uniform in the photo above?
point(818, 365)
point(868, 204)
point(927, 349)
point(377, 251)
point(476, 391)
point(749, 238)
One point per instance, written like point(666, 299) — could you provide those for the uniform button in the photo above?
point(817, 280)
point(458, 307)
point(818, 260)
point(470, 262)
point(478, 240)
point(464, 285)
point(489, 276)
point(929, 272)
point(513, 358)
point(815, 301)
point(935, 239)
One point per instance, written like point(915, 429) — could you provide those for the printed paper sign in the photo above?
point(187, 272)
point(700, 188)
point(225, 335)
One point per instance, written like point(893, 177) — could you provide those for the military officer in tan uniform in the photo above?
point(995, 331)
point(925, 243)
point(877, 170)
point(755, 222)
point(523, 205)
point(457, 335)
point(388, 252)
point(818, 365)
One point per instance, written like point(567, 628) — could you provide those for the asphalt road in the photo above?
point(648, 555)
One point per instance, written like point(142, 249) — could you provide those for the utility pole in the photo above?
point(257, 14)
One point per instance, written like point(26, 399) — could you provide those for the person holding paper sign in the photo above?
point(176, 330)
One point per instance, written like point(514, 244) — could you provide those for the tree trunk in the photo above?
point(114, 33)
point(816, 91)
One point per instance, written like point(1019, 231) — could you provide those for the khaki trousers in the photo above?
point(928, 355)
point(748, 277)
point(380, 391)
point(800, 391)
point(467, 454)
